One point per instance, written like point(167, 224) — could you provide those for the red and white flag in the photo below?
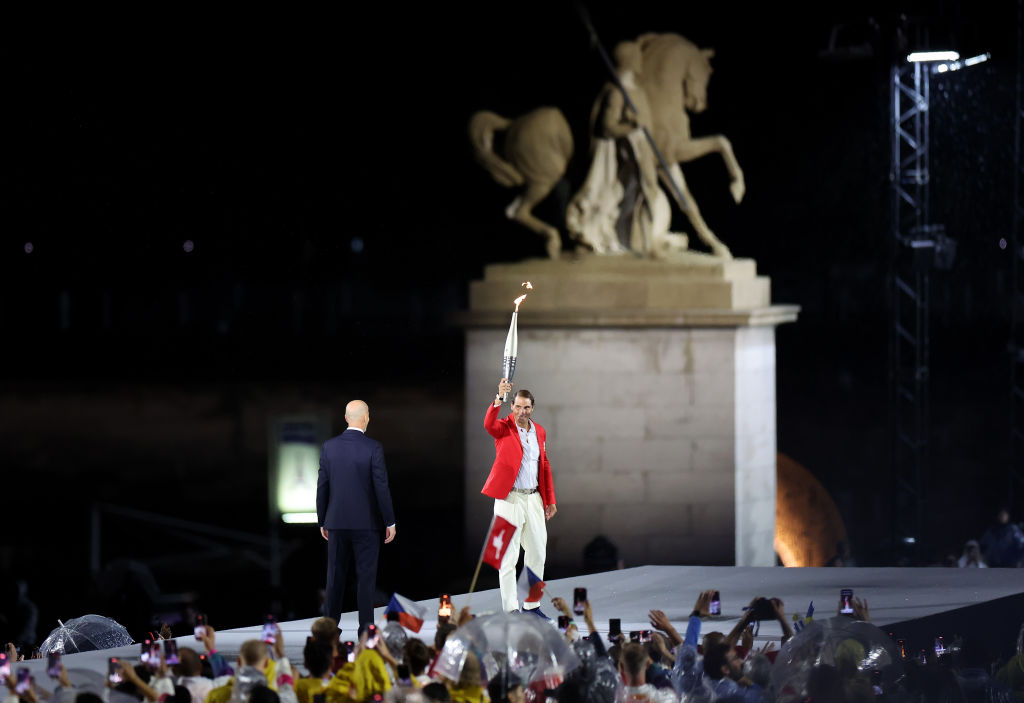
point(498, 540)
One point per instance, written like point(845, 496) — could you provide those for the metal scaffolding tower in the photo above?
point(913, 246)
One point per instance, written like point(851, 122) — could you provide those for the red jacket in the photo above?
point(508, 457)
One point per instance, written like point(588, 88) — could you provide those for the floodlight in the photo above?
point(980, 58)
point(923, 56)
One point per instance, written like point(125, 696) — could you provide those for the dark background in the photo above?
point(320, 167)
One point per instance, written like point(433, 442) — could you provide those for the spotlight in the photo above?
point(188, 246)
point(925, 56)
point(29, 248)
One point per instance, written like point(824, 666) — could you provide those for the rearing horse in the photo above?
point(675, 77)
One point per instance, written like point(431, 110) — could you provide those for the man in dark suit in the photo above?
point(353, 504)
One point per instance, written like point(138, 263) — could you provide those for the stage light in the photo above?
point(357, 245)
point(188, 246)
point(298, 518)
point(980, 58)
point(29, 248)
point(1002, 242)
point(909, 540)
point(925, 56)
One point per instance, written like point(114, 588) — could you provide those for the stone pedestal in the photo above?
point(656, 384)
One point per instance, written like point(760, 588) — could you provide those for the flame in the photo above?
point(517, 301)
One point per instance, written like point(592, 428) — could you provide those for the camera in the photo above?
point(715, 606)
point(114, 670)
point(762, 610)
point(563, 622)
point(444, 608)
point(579, 600)
point(149, 654)
point(371, 636)
point(200, 626)
point(171, 652)
point(53, 664)
point(846, 601)
point(634, 635)
point(614, 628)
point(24, 681)
point(270, 630)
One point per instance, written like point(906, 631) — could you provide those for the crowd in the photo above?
point(1001, 545)
point(660, 665)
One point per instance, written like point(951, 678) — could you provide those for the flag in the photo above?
point(531, 588)
point(497, 541)
point(410, 613)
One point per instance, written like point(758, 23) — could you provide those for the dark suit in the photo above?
point(354, 504)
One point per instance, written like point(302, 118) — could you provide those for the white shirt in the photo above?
point(527, 476)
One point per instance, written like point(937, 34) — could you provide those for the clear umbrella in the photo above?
point(854, 647)
point(530, 647)
point(85, 634)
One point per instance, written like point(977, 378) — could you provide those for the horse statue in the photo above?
point(669, 76)
point(538, 146)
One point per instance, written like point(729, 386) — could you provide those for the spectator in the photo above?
point(255, 668)
point(417, 657)
point(317, 657)
point(633, 667)
point(1003, 542)
point(468, 688)
point(506, 687)
point(971, 558)
point(441, 636)
point(190, 669)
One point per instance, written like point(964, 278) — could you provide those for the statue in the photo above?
point(620, 208)
point(538, 147)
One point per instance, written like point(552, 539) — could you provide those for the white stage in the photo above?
point(906, 601)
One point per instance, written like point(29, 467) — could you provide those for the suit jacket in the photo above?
point(352, 486)
point(508, 457)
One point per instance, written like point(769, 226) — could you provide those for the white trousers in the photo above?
point(526, 512)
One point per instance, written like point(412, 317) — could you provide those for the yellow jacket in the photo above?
point(222, 694)
point(307, 687)
point(364, 677)
point(468, 694)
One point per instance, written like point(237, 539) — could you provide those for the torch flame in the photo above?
point(529, 287)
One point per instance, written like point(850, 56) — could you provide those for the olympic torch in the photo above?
point(508, 364)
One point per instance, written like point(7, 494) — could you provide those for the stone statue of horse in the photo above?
point(674, 74)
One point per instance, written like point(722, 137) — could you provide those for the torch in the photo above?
point(508, 365)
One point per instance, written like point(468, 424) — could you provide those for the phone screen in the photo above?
point(145, 652)
point(846, 598)
point(715, 607)
point(579, 598)
point(5, 668)
point(940, 647)
point(563, 622)
point(200, 626)
point(645, 635)
point(171, 652)
point(351, 647)
point(270, 630)
point(634, 635)
point(614, 627)
point(371, 636)
point(114, 670)
point(53, 664)
point(24, 680)
point(444, 608)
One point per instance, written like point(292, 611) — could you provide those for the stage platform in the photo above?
point(913, 603)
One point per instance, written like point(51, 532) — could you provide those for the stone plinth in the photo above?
point(656, 384)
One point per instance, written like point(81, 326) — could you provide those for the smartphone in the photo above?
point(404, 677)
point(53, 664)
point(563, 622)
point(5, 668)
point(149, 653)
point(444, 608)
point(171, 652)
point(715, 607)
point(350, 647)
point(200, 626)
point(634, 635)
point(614, 627)
point(579, 599)
point(903, 648)
point(270, 629)
point(940, 646)
point(24, 680)
point(114, 670)
point(846, 600)
point(371, 636)
point(645, 635)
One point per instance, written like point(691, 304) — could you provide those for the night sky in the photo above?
point(236, 213)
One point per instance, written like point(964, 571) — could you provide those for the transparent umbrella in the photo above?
point(530, 647)
point(85, 634)
point(851, 646)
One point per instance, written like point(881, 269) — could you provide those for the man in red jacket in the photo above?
point(520, 483)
